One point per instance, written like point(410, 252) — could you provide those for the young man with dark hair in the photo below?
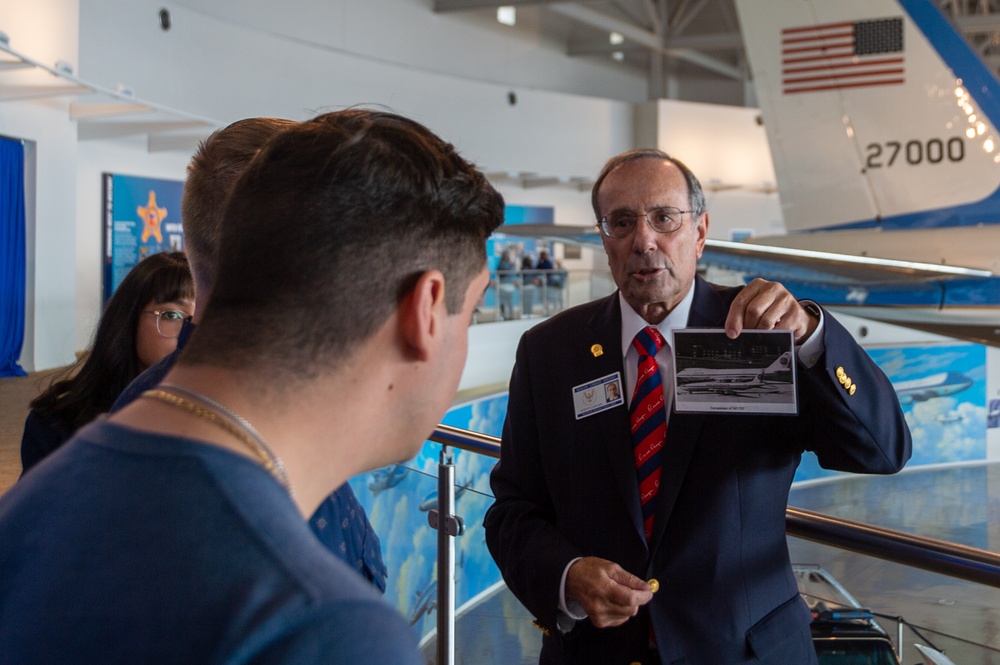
point(179, 523)
point(340, 522)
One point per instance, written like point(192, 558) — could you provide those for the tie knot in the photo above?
point(648, 341)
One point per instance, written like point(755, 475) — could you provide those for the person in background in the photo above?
point(637, 534)
point(507, 283)
point(181, 517)
point(529, 285)
point(556, 282)
point(551, 281)
point(544, 262)
point(340, 522)
point(138, 327)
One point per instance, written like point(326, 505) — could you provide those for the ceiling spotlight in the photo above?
point(507, 15)
point(616, 38)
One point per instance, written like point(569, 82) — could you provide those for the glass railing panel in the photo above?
point(952, 503)
point(957, 617)
point(480, 633)
point(398, 500)
point(535, 293)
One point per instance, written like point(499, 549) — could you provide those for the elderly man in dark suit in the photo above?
point(638, 535)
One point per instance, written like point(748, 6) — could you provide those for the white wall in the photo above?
point(407, 34)
point(230, 68)
point(727, 149)
point(226, 60)
point(46, 29)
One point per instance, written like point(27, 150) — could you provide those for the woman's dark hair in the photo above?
point(100, 374)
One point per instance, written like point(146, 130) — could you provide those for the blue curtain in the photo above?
point(12, 256)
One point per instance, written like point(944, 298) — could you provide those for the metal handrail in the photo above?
point(938, 556)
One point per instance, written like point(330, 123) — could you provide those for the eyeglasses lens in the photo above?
point(622, 223)
point(169, 323)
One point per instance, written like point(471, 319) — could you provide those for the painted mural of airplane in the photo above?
point(941, 384)
point(747, 382)
point(430, 501)
point(949, 418)
point(386, 478)
point(425, 602)
point(993, 417)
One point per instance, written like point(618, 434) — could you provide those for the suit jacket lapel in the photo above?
point(683, 430)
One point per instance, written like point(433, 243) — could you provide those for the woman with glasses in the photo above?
point(140, 325)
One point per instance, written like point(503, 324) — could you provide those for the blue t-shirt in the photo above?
point(340, 522)
point(126, 546)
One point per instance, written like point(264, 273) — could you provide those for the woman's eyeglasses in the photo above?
point(168, 321)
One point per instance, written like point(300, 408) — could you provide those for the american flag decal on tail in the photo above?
point(842, 55)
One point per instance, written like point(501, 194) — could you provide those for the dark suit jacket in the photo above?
point(567, 488)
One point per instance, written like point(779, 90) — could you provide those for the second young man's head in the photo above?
point(328, 231)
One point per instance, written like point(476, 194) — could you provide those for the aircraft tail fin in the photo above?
point(878, 113)
point(782, 364)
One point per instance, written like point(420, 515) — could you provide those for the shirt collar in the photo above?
point(632, 323)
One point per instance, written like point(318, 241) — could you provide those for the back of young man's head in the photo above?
point(214, 168)
point(329, 229)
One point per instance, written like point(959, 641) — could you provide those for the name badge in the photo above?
point(598, 395)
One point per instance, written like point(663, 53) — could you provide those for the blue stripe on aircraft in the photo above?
point(828, 289)
point(983, 87)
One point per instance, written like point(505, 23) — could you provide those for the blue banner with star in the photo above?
point(142, 216)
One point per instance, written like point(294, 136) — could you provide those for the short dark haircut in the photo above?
point(98, 377)
point(215, 166)
point(329, 229)
point(696, 196)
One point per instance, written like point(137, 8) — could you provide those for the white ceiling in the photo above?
point(682, 38)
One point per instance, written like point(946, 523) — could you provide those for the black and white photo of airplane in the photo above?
point(754, 373)
point(751, 382)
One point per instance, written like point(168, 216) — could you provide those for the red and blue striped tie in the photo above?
point(649, 421)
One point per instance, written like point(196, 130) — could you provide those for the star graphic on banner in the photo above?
point(152, 215)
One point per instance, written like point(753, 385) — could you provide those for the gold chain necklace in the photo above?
point(232, 422)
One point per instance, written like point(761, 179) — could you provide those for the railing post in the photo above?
point(899, 638)
point(448, 526)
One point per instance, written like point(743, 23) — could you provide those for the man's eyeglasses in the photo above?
point(168, 321)
point(621, 223)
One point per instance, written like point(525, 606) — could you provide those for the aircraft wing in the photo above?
point(955, 301)
point(948, 300)
point(726, 253)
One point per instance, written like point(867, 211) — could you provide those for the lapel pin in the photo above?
point(597, 350)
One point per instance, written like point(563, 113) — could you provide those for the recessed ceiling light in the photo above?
point(507, 15)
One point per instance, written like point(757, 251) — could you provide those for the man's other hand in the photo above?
point(608, 593)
